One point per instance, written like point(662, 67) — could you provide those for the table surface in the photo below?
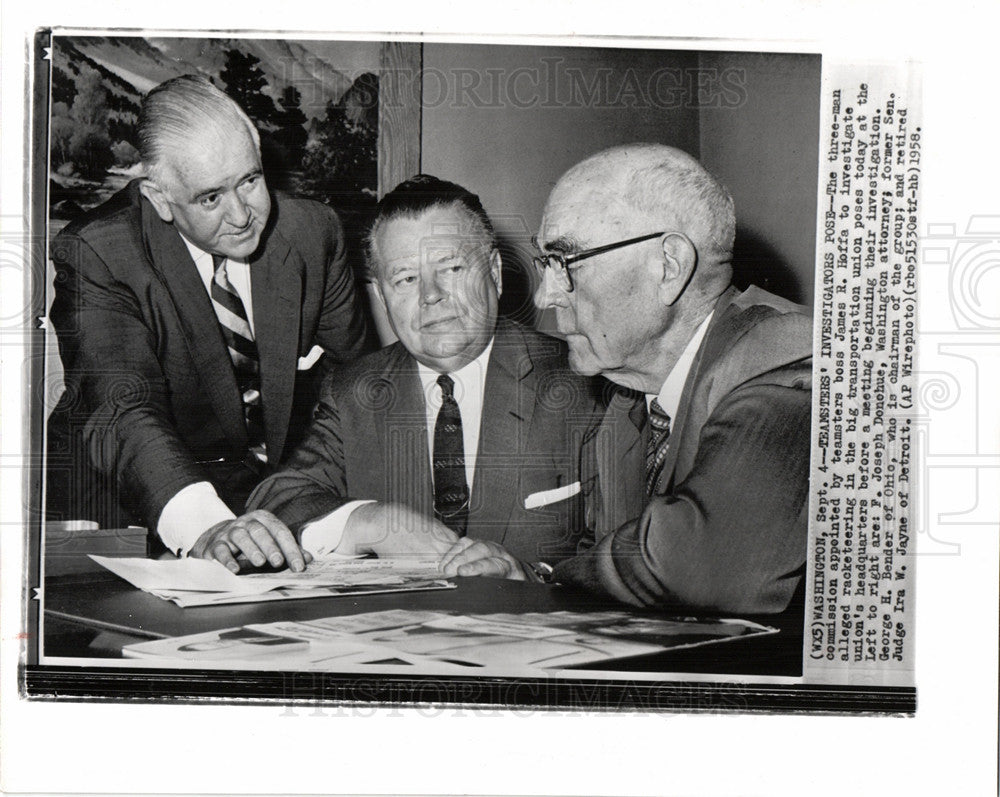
point(78, 607)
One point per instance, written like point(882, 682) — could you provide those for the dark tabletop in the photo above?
point(84, 607)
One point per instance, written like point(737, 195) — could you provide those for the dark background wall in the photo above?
point(507, 121)
point(765, 151)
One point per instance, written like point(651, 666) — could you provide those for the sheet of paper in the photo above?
point(201, 575)
point(330, 571)
point(169, 578)
point(530, 642)
point(187, 599)
point(288, 645)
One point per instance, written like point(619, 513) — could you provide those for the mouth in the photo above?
point(437, 324)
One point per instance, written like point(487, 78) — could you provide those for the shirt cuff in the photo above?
point(191, 512)
point(322, 536)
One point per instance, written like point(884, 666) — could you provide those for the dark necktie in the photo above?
point(656, 447)
point(451, 493)
point(242, 350)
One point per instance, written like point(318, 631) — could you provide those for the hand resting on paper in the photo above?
point(394, 530)
point(469, 557)
point(255, 539)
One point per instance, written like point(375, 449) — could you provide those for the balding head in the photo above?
point(665, 186)
point(645, 234)
point(203, 169)
point(183, 110)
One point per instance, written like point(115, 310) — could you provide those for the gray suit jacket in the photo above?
point(726, 528)
point(369, 441)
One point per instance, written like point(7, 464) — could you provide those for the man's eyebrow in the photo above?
point(394, 269)
point(207, 192)
point(220, 189)
point(564, 244)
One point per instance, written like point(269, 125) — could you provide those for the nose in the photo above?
point(238, 211)
point(431, 291)
point(549, 292)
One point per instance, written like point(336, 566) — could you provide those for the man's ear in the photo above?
point(496, 270)
point(158, 199)
point(679, 259)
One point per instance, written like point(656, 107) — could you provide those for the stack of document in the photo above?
point(447, 641)
point(204, 582)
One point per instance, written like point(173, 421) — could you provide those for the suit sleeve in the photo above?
point(312, 481)
point(731, 537)
point(110, 362)
point(344, 331)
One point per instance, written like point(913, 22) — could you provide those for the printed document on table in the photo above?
point(199, 582)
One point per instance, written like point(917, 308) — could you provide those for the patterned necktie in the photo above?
point(451, 493)
point(243, 351)
point(656, 447)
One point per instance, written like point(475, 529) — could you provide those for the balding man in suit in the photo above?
point(193, 309)
point(696, 482)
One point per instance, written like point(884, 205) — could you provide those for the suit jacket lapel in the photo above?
point(401, 434)
point(717, 338)
point(276, 282)
point(171, 258)
point(508, 404)
point(620, 463)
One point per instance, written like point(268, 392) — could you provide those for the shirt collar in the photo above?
point(474, 370)
point(669, 396)
point(197, 253)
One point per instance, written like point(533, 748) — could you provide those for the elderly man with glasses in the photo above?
point(696, 483)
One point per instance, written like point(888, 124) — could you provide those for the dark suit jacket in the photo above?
point(369, 441)
point(151, 399)
point(726, 528)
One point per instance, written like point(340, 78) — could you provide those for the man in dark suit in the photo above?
point(697, 481)
point(460, 441)
point(192, 309)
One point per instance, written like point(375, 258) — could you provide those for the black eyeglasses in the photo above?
point(560, 263)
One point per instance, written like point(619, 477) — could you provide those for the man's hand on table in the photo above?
point(469, 557)
point(394, 530)
point(256, 539)
point(390, 530)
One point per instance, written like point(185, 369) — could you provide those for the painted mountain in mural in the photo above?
point(314, 102)
point(133, 65)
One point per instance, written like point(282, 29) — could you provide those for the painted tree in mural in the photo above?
point(289, 122)
point(281, 125)
point(245, 82)
point(340, 157)
point(340, 165)
point(80, 140)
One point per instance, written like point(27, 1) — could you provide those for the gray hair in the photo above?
point(672, 187)
point(176, 110)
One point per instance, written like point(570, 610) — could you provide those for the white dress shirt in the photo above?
point(194, 509)
point(323, 535)
point(670, 393)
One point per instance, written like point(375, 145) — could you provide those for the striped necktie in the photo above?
point(242, 350)
point(451, 492)
point(657, 445)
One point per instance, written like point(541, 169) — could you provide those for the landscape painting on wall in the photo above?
point(315, 104)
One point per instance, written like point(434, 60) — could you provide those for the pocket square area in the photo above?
point(553, 496)
point(307, 362)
